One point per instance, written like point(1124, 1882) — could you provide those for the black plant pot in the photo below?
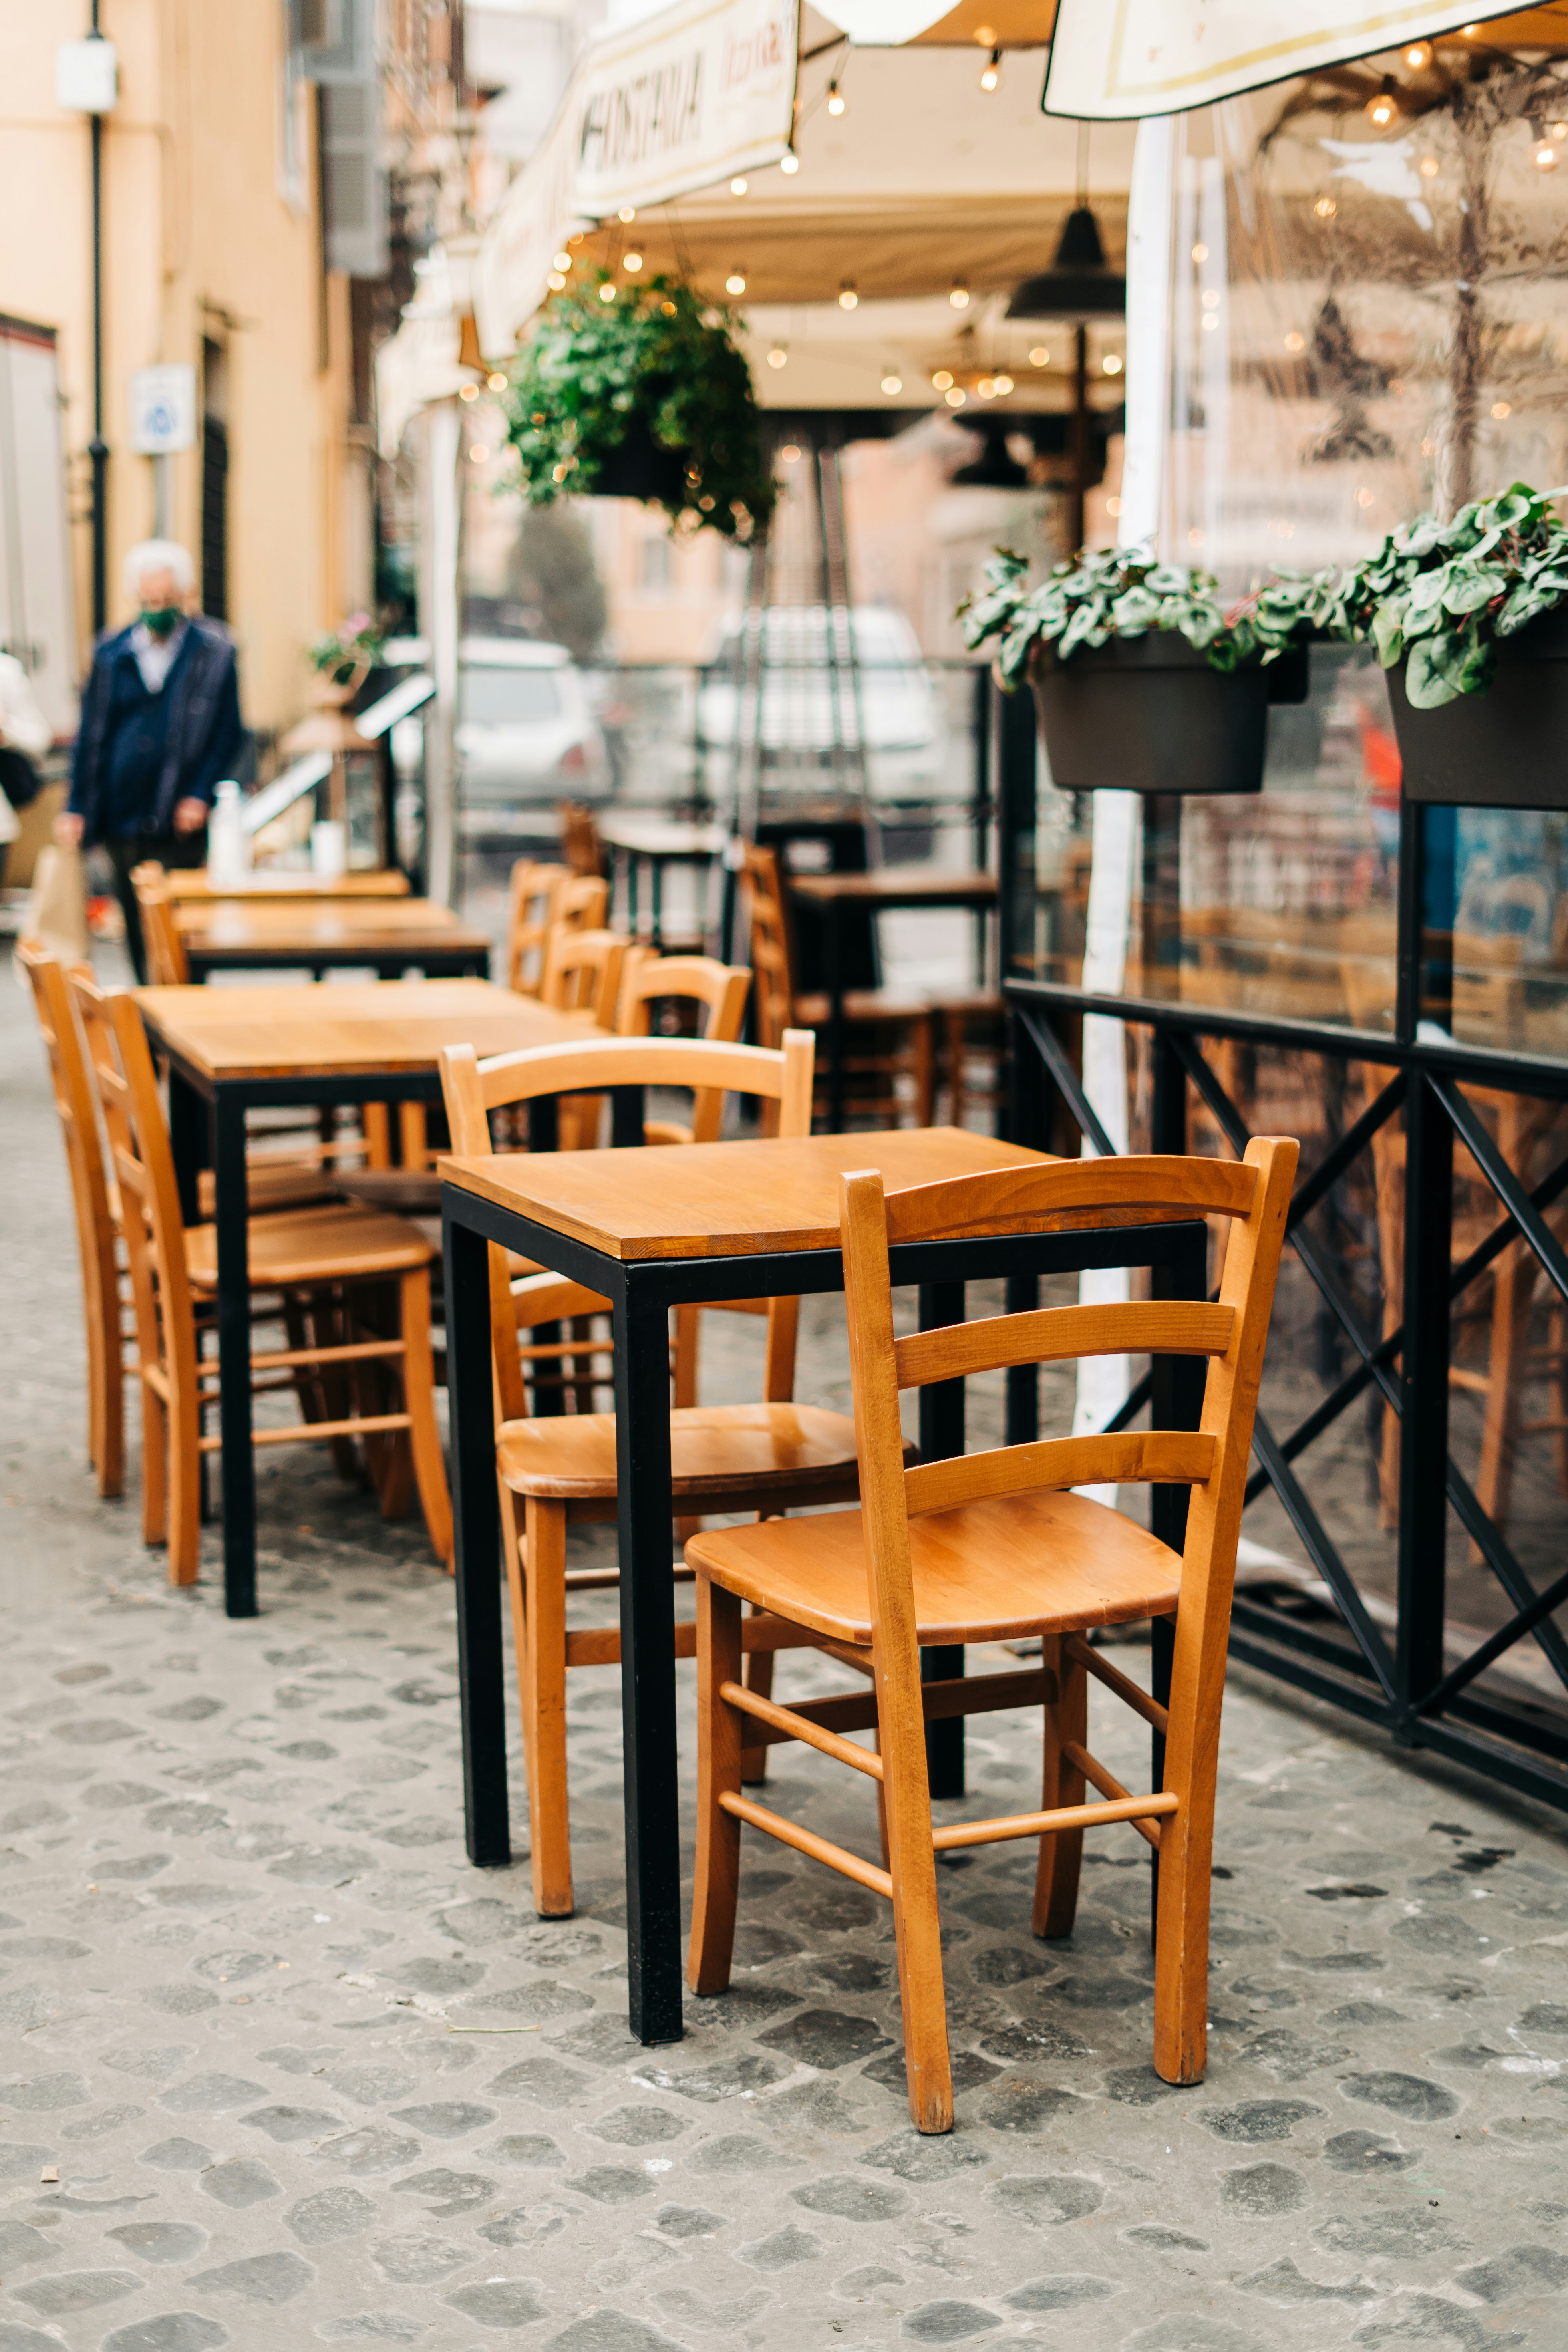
point(642, 467)
point(1149, 715)
point(1507, 748)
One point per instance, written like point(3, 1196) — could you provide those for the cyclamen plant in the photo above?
point(1447, 594)
point(356, 644)
point(1124, 593)
point(661, 352)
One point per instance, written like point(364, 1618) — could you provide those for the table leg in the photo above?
point(232, 1219)
point(657, 895)
point(833, 973)
point(647, 1665)
point(476, 1547)
point(940, 1437)
point(631, 867)
point(190, 1141)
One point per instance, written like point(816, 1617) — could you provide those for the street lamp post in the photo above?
point(86, 82)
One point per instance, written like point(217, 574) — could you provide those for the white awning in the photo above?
point(1160, 56)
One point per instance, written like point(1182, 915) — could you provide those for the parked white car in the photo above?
point(525, 737)
point(886, 702)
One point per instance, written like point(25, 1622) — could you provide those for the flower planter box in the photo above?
point(1507, 748)
point(1150, 715)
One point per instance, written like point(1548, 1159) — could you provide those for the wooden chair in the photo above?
point(990, 1547)
point(894, 1029)
point(580, 844)
point(765, 1457)
point(583, 971)
point(541, 896)
point(700, 986)
point(311, 1261)
point(167, 963)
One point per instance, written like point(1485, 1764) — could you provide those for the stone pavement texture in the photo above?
point(305, 2076)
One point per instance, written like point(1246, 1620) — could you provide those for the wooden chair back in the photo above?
point(472, 1089)
point(583, 971)
point(92, 1198)
point(716, 990)
point(772, 961)
point(580, 844)
point(167, 964)
point(1231, 1332)
point(144, 1166)
point(528, 894)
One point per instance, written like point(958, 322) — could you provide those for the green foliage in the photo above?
point(1123, 592)
point(1445, 594)
point(660, 353)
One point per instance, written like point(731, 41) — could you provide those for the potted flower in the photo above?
point(1467, 617)
point(1145, 683)
point(641, 392)
point(344, 658)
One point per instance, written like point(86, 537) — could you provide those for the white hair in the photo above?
point(159, 555)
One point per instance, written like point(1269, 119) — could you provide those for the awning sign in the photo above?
point(700, 93)
point(1113, 59)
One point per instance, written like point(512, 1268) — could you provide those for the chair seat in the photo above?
point(861, 1004)
point(989, 1571)
point(273, 1188)
point(342, 1243)
point(716, 1451)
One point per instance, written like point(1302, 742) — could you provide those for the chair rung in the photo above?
point(276, 1359)
point(1095, 1772)
point(792, 1726)
point(856, 1710)
point(1115, 1680)
point(837, 1857)
point(1063, 1817)
point(306, 1431)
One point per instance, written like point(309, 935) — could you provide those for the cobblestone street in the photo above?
point(304, 2076)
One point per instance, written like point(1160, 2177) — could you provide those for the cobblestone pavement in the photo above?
point(306, 2077)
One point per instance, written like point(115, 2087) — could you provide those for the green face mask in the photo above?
point(164, 620)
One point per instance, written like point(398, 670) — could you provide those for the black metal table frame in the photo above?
point(831, 911)
point(431, 963)
point(1403, 1688)
point(207, 1127)
point(655, 860)
point(641, 1293)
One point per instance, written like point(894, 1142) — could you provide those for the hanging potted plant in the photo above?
point(1470, 620)
point(641, 392)
point(1145, 682)
point(344, 658)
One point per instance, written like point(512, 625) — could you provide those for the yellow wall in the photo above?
point(199, 240)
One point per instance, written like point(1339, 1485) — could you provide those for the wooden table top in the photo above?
point(232, 925)
point(718, 1200)
point(309, 1029)
point(197, 883)
point(663, 836)
point(896, 885)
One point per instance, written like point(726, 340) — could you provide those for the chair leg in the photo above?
point(911, 1861)
point(718, 1873)
point(759, 1678)
point(155, 1468)
point(185, 1489)
point(108, 1409)
point(543, 1666)
point(419, 1399)
point(924, 1070)
point(511, 1538)
point(1512, 1296)
point(1061, 1853)
point(1187, 1861)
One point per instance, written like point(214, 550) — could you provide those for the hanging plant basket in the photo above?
point(1151, 714)
point(1143, 682)
point(1503, 747)
point(641, 392)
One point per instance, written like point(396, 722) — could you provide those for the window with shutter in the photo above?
point(353, 182)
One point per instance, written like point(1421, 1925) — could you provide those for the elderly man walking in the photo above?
point(160, 729)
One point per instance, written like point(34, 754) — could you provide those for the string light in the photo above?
point(497, 382)
point(990, 72)
point(606, 292)
point(1039, 356)
point(1112, 363)
point(1502, 408)
point(789, 163)
point(467, 392)
point(1417, 55)
point(479, 453)
point(632, 261)
point(1200, 254)
point(778, 357)
point(737, 187)
point(736, 282)
point(1545, 158)
point(1382, 108)
point(555, 281)
point(959, 296)
point(836, 101)
point(942, 380)
point(563, 261)
point(1325, 208)
point(986, 387)
point(1294, 341)
point(956, 397)
point(789, 453)
point(849, 299)
point(628, 212)
point(1428, 167)
point(1003, 384)
point(892, 383)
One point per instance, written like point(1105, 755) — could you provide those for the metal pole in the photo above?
point(1079, 440)
point(97, 448)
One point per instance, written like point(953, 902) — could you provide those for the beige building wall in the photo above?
point(212, 246)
